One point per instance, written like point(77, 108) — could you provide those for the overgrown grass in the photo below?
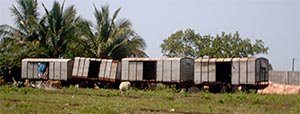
point(163, 100)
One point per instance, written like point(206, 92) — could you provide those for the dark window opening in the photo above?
point(94, 69)
point(149, 70)
point(223, 72)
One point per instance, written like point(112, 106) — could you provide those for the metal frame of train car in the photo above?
point(91, 70)
point(226, 73)
point(158, 70)
point(59, 69)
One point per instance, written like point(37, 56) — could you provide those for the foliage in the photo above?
point(60, 33)
point(112, 38)
point(190, 44)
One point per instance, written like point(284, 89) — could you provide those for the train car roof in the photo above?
point(46, 60)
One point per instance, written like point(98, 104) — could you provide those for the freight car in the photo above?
point(225, 74)
point(185, 72)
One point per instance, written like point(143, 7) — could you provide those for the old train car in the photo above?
point(96, 69)
point(158, 70)
point(231, 71)
point(58, 69)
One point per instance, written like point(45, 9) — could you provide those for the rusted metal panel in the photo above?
point(139, 71)
point(159, 71)
point(70, 69)
point(58, 69)
point(113, 71)
point(132, 71)
point(102, 69)
point(205, 72)
point(76, 66)
point(251, 71)
point(81, 66)
point(167, 70)
point(176, 65)
point(197, 72)
point(108, 68)
point(212, 70)
point(119, 69)
point(243, 70)
point(86, 67)
point(235, 69)
point(125, 68)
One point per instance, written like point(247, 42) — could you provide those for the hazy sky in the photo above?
point(276, 22)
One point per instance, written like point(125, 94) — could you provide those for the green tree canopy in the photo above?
point(59, 32)
point(190, 44)
point(110, 38)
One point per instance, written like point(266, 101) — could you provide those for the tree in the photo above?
point(190, 44)
point(58, 29)
point(112, 38)
point(13, 39)
point(34, 36)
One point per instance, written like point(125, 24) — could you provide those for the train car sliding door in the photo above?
point(149, 70)
point(223, 72)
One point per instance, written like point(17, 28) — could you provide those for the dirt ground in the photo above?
point(274, 88)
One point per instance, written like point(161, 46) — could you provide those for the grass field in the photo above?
point(164, 100)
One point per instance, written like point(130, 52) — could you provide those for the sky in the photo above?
point(276, 22)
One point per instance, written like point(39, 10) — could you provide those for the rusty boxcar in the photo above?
point(231, 71)
point(165, 70)
point(96, 69)
point(58, 69)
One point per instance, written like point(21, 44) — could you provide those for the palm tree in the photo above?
point(112, 38)
point(13, 39)
point(58, 28)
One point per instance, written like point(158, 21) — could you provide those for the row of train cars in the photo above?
point(219, 74)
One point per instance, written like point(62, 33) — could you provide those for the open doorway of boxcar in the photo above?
point(94, 69)
point(149, 70)
point(223, 76)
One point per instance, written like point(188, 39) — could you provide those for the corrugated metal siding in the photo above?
point(177, 67)
point(212, 70)
point(251, 71)
point(139, 71)
point(235, 69)
point(167, 70)
point(76, 66)
point(80, 67)
point(86, 66)
point(159, 71)
point(102, 69)
point(24, 70)
point(285, 77)
point(108, 69)
point(243, 71)
point(58, 69)
point(197, 74)
point(205, 73)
